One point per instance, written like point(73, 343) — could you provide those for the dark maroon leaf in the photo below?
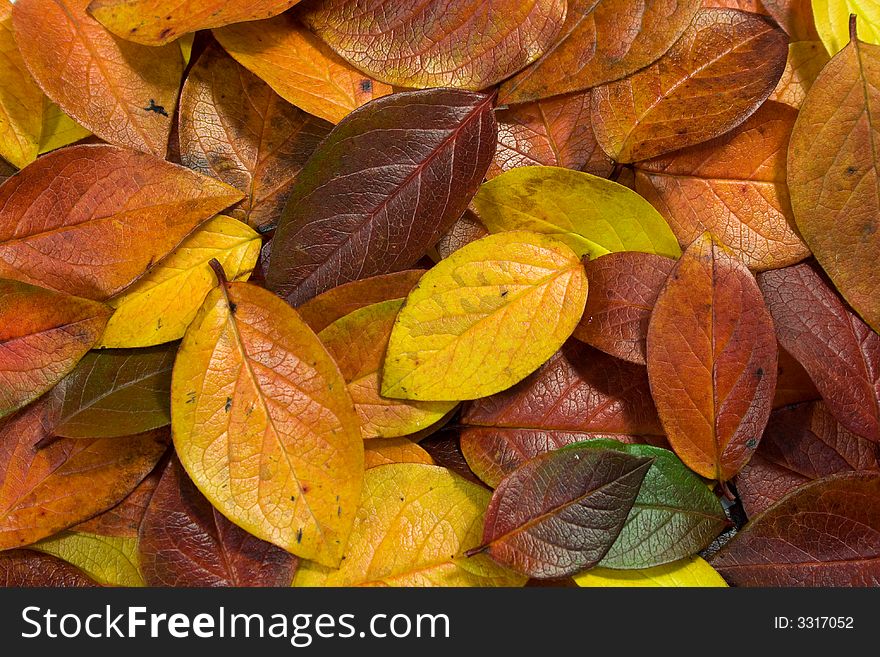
point(27, 568)
point(826, 533)
point(839, 351)
point(801, 444)
point(380, 191)
point(560, 513)
point(185, 542)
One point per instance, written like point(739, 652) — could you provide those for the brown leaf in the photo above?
point(806, 59)
point(724, 66)
point(793, 383)
point(712, 360)
point(467, 229)
point(27, 568)
point(839, 351)
point(795, 17)
point(233, 127)
point(185, 542)
point(123, 92)
point(602, 40)
point(552, 132)
point(734, 187)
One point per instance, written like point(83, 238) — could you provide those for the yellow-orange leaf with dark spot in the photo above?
point(264, 425)
point(712, 360)
point(89, 220)
point(43, 334)
point(122, 91)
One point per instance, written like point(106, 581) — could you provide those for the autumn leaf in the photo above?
point(673, 517)
point(838, 350)
point(832, 174)
point(382, 451)
point(158, 22)
point(734, 187)
point(116, 392)
point(801, 444)
point(358, 342)
point(561, 512)
point(793, 16)
point(301, 68)
point(185, 542)
point(579, 394)
point(235, 128)
point(824, 534)
point(109, 560)
point(444, 448)
point(48, 489)
point(27, 568)
point(264, 425)
point(602, 40)
point(465, 330)
point(103, 200)
point(832, 19)
point(413, 526)
point(692, 572)
point(159, 307)
point(407, 46)
point(123, 92)
point(715, 76)
point(58, 130)
point(467, 229)
point(793, 383)
point(806, 59)
point(551, 132)
point(591, 215)
point(124, 519)
point(623, 289)
point(43, 334)
point(324, 309)
point(712, 360)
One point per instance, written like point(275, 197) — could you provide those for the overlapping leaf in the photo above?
point(185, 542)
point(414, 524)
point(124, 519)
point(71, 220)
point(109, 560)
point(839, 351)
point(602, 40)
point(383, 187)
point(561, 512)
point(421, 44)
point(465, 330)
point(623, 289)
point(712, 360)
point(693, 572)
point(116, 392)
point(833, 174)
point(824, 534)
point(716, 75)
point(592, 215)
point(806, 59)
point(159, 306)
point(27, 568)
point(733, 186)
point(235, 128)
point(254, 388)
point(157, 22)
point(383, 451)
point(832, 19)
point(43, 334)
point(300, 67)
point(122, 91)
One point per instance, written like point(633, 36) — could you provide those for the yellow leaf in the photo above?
point(832, 21)
point(685, 573)
point(264, 425)
point(159, 306)
point(594, 216)
point(109, 560)
point(186, 46)
point(485, 318)
point(300, 67)
point(383, 451)
point(358, 342)
point(413, 526)
point(21, 101)
point(59, 130)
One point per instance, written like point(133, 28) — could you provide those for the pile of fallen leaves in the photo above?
point(448, 292)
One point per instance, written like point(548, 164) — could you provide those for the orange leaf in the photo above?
point(157, 22)
point(43, 334)
point(88, 220)
point(712, 360)
point(734, 187)
point(383, 451)
point(123, 92)
point(300, 67)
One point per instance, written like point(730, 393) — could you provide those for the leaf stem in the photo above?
point(218, 271)
point(853, 33)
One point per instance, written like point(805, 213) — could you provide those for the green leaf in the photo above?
point(109, 560)
point(592, 215)
point(674, 516)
